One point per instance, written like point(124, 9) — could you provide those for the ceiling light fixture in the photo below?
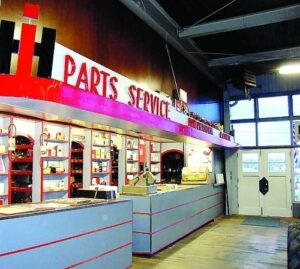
point(289, 69)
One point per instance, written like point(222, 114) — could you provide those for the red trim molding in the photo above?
point(98, 256)
point(63, 239)
point(178, 238)
point(178, 221)
point(174, 207)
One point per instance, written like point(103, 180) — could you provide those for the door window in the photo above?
point(276, 162)
point(250, 163)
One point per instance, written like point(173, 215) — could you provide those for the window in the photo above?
point(275, 133)
point(210, 111)
point(242, 109)
point(250, 163)
point(245, 134)
point(296, 105)
point(276, 162)
point(273, 107)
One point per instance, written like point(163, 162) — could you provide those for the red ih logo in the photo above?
point(26, 48)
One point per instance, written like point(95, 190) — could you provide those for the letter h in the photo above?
point(26, 48)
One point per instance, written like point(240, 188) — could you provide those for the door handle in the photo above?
point(264, 186)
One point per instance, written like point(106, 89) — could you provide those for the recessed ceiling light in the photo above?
point(289, 69)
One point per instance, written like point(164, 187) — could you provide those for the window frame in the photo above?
point(256, 119)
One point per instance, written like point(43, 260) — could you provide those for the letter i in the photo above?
point(27, 41)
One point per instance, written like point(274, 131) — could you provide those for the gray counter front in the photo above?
point(161, 219)
point(88, 236)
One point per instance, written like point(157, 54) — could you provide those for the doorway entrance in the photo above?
point(264, 182)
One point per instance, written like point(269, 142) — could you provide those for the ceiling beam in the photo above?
point(155, 16)
point(288, 53)
point(242, 22)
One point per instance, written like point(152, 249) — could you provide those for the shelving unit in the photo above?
point(21, 170)
point(4, 161)
point(155, 160)
point(114, 153)
point(77, 149)
point(132, 158)
point(55, 154)
point(101, 158)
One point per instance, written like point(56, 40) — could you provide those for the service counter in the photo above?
point(97, 235)
point(161, 219)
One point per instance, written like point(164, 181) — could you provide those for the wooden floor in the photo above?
point(224, 244)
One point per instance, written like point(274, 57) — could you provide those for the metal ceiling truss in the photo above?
point(288, 53)
point(242, 22)
point(156, 17)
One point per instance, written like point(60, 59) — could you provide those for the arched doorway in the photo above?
point(172, 164)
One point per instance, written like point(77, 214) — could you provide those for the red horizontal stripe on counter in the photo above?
point(177, 239)
point(141, 213)
point(173, 207)
point(189, 217)
point(177, 222)
point(63, 239)
point(98, 256)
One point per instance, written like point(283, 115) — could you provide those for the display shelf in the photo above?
point(76, 161)
point(5, 124)
point(77, 185)
point(55, 160)
point(129, 148)
point(76, 172)
point(100, 173)
point(76, 150)
point(22, 160)
point(56, 140)
point(55, 174)
point(100, 145)
point(114, 160)
point(132, 158)
point(101, 158)
point(155, 160)
point(21, 173)
point(24, 146)
point(55, 191)
point(21, 169)
point(22, 189)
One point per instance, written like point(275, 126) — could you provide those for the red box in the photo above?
point(31, 11)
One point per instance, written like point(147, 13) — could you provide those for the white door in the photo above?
point(264, 182)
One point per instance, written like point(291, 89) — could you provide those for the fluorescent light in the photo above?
point(289, 69)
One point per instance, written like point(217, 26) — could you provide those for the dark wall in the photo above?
point(110, 34)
